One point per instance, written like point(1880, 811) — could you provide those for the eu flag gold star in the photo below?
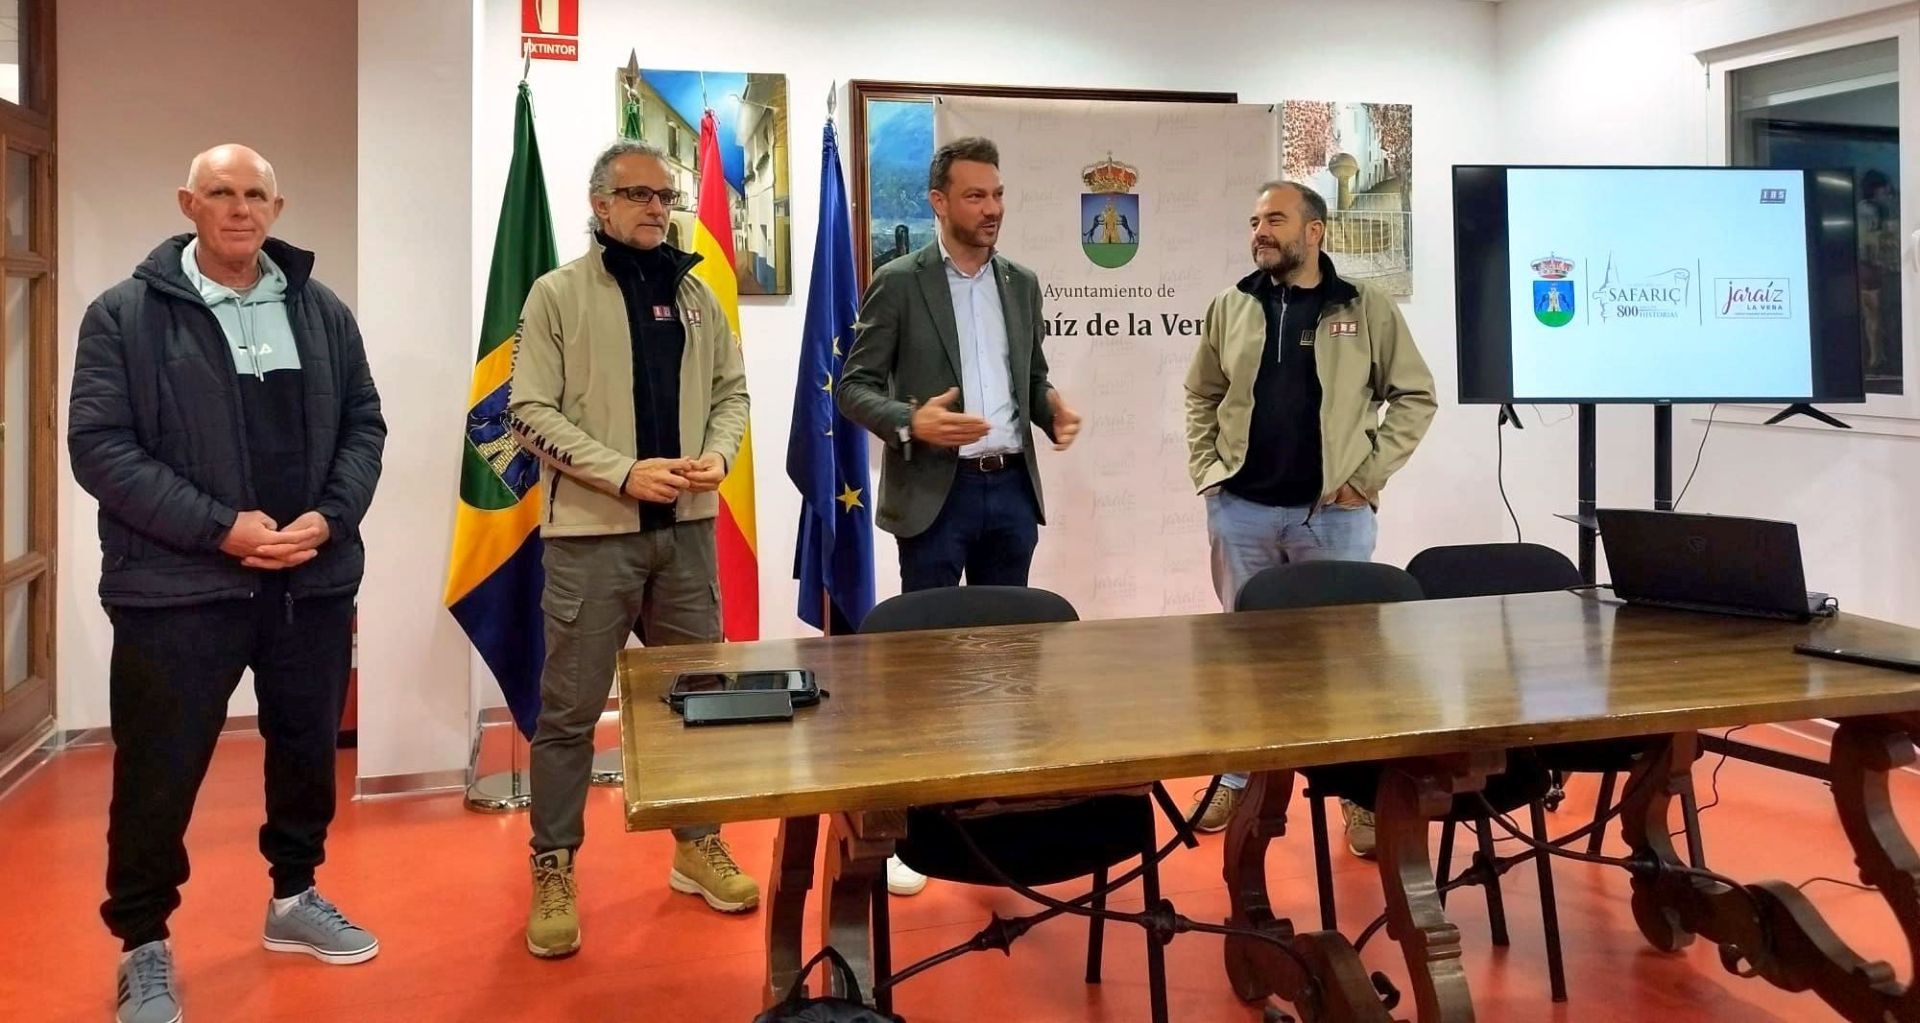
point(828, 386)
point(836, 346)
point(849, 498)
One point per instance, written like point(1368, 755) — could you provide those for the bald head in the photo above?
point(231, 155)
point(233, 200)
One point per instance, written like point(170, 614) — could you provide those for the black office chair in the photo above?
point(968, 607)
point(1489, 569)
point(1047, 842)
point(1493, 569)
point(1326, 584)
point(1523, 783)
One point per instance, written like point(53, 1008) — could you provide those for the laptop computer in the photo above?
point(1717, 563)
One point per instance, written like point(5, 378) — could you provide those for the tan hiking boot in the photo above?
point(1219, 810)
point(553, 925)
point(1359, 829)
point(705, 867)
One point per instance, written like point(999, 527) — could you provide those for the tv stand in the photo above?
point(1509, 414)
point(1587, 517)
point(1803, 409)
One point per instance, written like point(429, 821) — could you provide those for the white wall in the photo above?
point(417, 313)
point(1437, 56)
point(1703, 25)
point(141, 92)
point(1616, 81)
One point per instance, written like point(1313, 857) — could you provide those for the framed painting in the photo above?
point(664, 109)
point(1359, 157)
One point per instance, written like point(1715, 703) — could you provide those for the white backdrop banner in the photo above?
point(1134, 216)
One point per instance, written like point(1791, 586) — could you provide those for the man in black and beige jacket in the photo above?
point(629, 385)
point(1286, 436)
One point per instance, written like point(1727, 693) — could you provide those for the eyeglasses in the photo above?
point(641, 195)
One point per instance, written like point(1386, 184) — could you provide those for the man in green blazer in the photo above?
point(947, 369)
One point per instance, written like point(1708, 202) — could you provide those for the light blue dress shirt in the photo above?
point(986, 371)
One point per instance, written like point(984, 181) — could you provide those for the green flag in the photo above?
point(494, 576)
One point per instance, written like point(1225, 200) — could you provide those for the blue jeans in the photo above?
point(1248, 536)
point(987, 529)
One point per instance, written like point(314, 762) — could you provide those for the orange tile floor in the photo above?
point(446, 891)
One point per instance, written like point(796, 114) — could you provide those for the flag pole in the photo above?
point(506, 791)
point(610, 764)
point(826, 612)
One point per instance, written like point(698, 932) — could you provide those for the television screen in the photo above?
point(1656, 284)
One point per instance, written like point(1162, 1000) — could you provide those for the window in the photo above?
point(1835, 96)
point(1839, 109)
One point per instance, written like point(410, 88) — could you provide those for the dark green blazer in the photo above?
point(906, 349)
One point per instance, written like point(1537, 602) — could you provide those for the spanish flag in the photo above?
point(494, 576)
point(739, 554)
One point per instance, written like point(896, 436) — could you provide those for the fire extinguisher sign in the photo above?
point(550, 29)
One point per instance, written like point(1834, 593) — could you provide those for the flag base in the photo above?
point(608, 768)
point(506, 792)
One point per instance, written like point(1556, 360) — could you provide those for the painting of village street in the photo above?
point(1359, 156)
point(663, 109)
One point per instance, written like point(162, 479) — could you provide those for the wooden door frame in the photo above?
point(30, 126)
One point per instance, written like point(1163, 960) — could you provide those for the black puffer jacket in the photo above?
point(156, 433)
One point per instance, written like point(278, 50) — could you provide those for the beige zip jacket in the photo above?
point(1364, 359)
point(571, 401)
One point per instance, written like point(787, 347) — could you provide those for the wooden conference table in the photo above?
point(1439, 687)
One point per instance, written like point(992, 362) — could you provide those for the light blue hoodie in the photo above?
point(254, 321)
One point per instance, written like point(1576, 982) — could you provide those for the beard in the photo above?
point(646, 236)
point(1279, 258)
point(982, 235)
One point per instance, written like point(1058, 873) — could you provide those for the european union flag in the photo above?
point(826, 454)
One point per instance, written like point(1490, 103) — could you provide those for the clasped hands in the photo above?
point(662, 480)
point(259, 542)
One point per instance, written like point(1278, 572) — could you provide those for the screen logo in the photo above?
point(1553, 292)
point(1773, 197)
point(1752, 298)
point(1662, 296)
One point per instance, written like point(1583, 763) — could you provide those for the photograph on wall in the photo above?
point(664, 108)
point(1359, 156)
point(899, 147)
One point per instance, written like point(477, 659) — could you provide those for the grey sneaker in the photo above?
point(313, 926)
point(147, 994)
point(1360, 837)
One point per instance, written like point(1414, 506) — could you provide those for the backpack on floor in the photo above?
point(798, 1008)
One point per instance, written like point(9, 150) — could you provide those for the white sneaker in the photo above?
point(902, 879)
